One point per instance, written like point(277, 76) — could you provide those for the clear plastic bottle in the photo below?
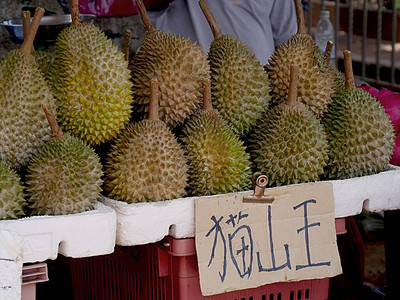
point(324, 33)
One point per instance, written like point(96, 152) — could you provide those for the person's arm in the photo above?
point(283, 21)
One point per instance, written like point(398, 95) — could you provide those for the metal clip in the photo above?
point(260, 182)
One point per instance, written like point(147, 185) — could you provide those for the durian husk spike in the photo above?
point(207, 104)
point(75, 20)
point(126, 42)
point(153, 105)
point(348, 70)
point(144, 16)
point(216, 30)
point(328, 51)
point(55, 129)
point(301, 28)
point(294, 79)
point(27, 44)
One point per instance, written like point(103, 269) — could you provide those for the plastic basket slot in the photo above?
point(34, 273)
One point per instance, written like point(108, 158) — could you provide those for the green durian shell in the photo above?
point(291, 146)
point(12, 200)
point(360, 134)
point(180, 67)
point(92, 85)
point(45, 60)
point(23, 92)
point(146, 164)
point(64, 177)
point(240, 86)
point(315, 87)
point(218, 162)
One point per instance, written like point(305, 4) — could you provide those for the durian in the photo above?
point(23, 91)
point(177, 63)
point(12, 200)
point(217, 159)
point(337, 75)
point(43, 58)
point(316, 87)
point(146, 163)
point(64, 177)
point(91, 81)
point(359, 131)
point(291, 145)
point(240, 86)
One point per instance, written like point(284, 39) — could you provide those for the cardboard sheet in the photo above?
point(246, 245)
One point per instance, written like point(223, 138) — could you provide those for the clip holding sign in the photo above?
point(260, 182)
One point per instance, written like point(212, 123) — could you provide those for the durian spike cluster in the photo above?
point(315, 88)
point(91, 82)
point(23, 91)
point(179, 66)
point(218, 162)
point(290, 145)
point(240, 86)
point(12, 201)
point(337, 75)
point(360, 133)
point(64, 177)
point(146, 162)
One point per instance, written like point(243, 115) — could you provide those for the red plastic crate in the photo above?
point(32, 274)
point(168, 270)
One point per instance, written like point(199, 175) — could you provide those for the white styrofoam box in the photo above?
point(148, 222)
point(83, 234)
point(372, 193)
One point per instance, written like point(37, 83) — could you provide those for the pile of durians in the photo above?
point(175, 121)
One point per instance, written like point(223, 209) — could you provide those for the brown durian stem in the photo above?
point(348, 70)
point(55, 129)
point(294, 78)
point(26, 21)
point(126, 42)
point(301, 28)
point(28, 40)
point(75, 20)
point(328, 51)
point(153, 106)
point(143, 14)
point(216, 30)
point(207, 104)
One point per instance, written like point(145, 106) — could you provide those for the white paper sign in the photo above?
point(246, 245)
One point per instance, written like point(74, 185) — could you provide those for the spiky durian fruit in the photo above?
point(12, 200)
point(359, 131)
point(177, 63)
point(64, 177)
point(146, 163)
point(240, 86)
point(326, 66)
point(23, 91)
point(316, 87)
point(292, 146)
point(91, 82)
point(218, 162)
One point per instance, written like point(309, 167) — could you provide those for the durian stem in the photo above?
point(30, 37)
point(207, 104)
point(301, 28)
point(328, 51)
point(153, 106)
point(126, 42)
point(143, 14)
point(348, 70)
point(294, 78)
point(75, 13)
point(216, 30)
point(26, 21)
point(55, 129)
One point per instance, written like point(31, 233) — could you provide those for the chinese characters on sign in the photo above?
point(243, 245)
